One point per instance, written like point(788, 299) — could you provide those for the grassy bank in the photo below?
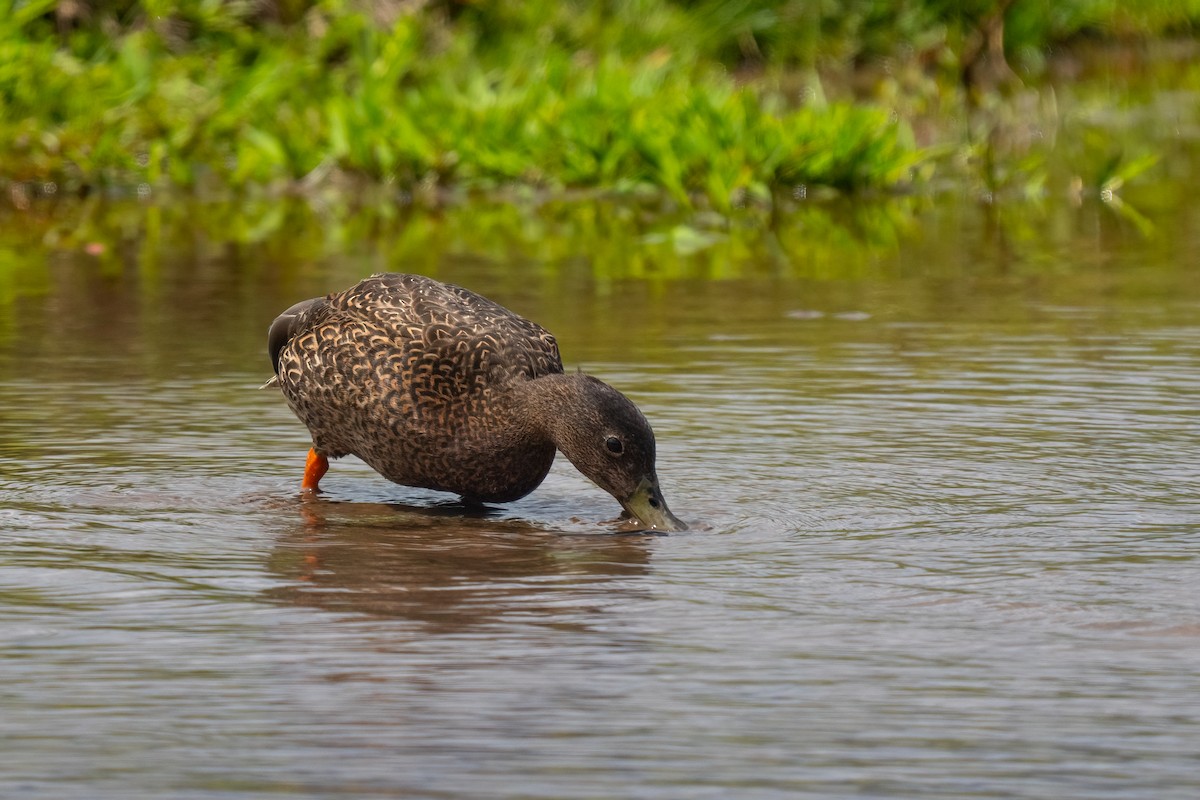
point(716, 103)
point(344, 97)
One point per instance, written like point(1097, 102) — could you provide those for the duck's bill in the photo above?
point(648, 506)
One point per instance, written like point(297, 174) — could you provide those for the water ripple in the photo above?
point(936, 560)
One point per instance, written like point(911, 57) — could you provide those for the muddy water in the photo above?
point(942, 483)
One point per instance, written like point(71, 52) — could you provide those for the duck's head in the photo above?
point(608, 439)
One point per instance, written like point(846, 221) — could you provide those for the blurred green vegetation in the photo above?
point(205, 94)
point(716, 104)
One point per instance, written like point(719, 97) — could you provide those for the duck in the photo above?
point(435, 386)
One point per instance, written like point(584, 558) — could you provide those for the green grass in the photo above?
point(710, 104)
point(270, 106)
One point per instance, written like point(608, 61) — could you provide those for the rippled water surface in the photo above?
point(945, 536)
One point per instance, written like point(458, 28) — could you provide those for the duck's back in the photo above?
point(403, 371)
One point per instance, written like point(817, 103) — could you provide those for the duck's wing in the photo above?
point(446, 328)
point(437, 338)
point(285, 327)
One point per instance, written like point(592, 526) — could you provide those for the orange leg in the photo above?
point(314, 469)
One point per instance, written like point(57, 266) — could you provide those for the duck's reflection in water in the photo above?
point(450, 567)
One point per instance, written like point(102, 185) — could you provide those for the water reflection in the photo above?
point(448, 567)
point(950, 490)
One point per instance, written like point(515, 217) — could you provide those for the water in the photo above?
point(943, 496)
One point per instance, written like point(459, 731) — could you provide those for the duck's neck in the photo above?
point(507, 451)
point(540, 407)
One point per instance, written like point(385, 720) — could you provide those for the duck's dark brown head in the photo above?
point(608, 439)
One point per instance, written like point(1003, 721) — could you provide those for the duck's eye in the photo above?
point(614, 445)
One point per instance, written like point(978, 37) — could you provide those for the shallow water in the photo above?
point(944, 544)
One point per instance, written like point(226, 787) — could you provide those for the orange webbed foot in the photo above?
point(314, 469)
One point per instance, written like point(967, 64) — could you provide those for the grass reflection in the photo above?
point(84, 281)
point(594, 239)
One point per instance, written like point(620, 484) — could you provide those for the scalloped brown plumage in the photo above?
point(435, 386)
